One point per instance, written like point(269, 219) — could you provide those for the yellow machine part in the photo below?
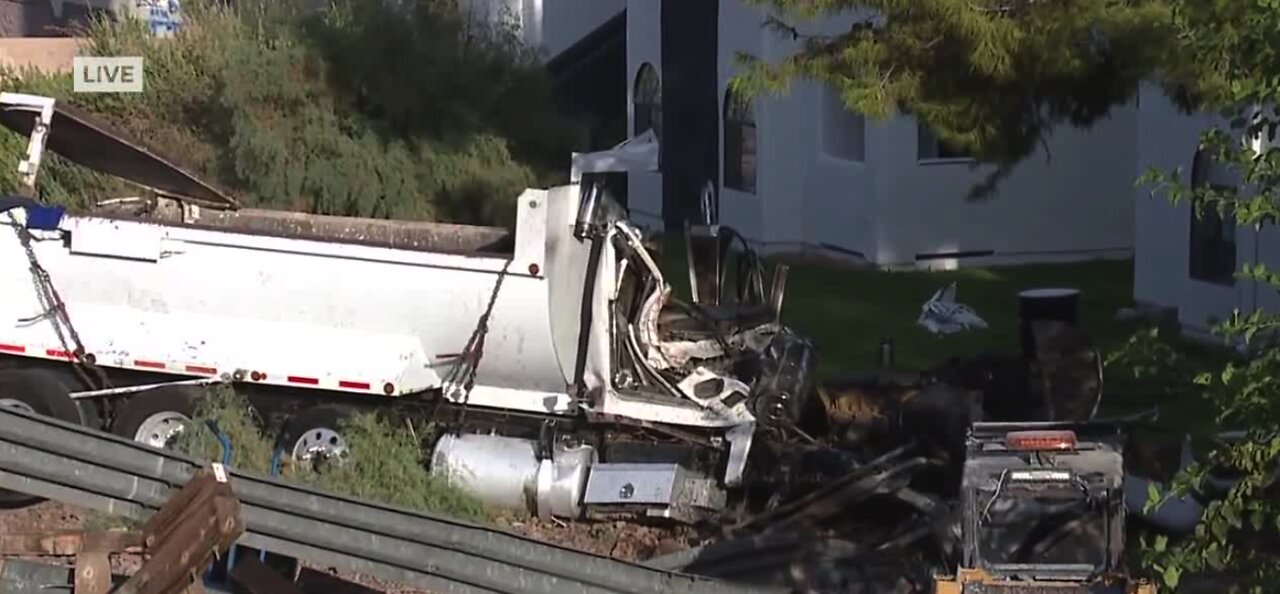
point(955, 584)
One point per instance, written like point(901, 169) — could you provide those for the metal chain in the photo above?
point(464, 370)
point(53, 303)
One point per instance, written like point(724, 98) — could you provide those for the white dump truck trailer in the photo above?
point(577, 384)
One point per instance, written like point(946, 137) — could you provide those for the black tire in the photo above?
point(137, 409)
point(311, 422)
point(45, 394)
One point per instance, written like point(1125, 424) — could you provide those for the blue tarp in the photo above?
point(39, 216)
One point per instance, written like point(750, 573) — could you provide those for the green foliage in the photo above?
point(1232, 46)
point(1156, 369)
point(385, 461)
point(360, 108)
point(994, 77)
point(251, 448)
point(997, 76)
point(61, 182)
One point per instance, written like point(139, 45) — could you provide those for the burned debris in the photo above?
point(989, 471)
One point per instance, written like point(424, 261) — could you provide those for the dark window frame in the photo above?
point(741, 148)
point(1211, 254)
point(941, 151)
point(647, 101)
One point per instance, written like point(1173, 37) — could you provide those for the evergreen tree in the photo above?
point(993, 77)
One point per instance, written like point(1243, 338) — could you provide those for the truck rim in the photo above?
point(159, 430)
point(16, 404)
point(320, 442)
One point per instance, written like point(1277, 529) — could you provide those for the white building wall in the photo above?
point(1264, 248)
point(644, 45)
point(888, 206)
point(1073, 205)
point(744, 211)
point(837, 190)
point(804, 197)
point(1168, 140)
point(840, 205)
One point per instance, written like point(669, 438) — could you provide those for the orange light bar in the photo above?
point(1040, 440)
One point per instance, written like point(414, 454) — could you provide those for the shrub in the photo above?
point(250, 446)
point(361, 108)
point(385, 461)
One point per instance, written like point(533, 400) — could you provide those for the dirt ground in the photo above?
point(619, 540)
point(56, 517)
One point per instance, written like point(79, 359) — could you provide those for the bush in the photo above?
point(363, 108)
point(385, 461)
point(251, 448)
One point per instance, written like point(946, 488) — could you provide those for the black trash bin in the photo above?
point(1056, 304)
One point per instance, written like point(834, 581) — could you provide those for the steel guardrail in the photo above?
point(56, 460)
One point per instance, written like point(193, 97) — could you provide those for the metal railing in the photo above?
point(80, 466)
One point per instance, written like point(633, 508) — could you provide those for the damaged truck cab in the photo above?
point(1043, 510)
point(721, 361)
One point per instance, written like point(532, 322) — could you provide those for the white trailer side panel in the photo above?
point(305, 313)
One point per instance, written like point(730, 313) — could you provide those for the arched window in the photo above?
point(739, 143)
point(1212, 253)
point(647, 97)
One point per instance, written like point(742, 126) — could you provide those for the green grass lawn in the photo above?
point(847, 311)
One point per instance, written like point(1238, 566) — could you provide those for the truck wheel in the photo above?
point(37, 392)
point(314, 435)
point(156, 417)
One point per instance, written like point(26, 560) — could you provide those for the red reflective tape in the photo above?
point(58, 353)
point(202, 369)
point(355, 385)
point(12, 348)
point(310, 381)
point(150, 364)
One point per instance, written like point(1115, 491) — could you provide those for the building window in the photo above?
point(844, 131)
point(647, 99)
point(1212, 254)
point(739, 143)
point(930, 148)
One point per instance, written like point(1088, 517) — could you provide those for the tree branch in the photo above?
point(884, 80)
